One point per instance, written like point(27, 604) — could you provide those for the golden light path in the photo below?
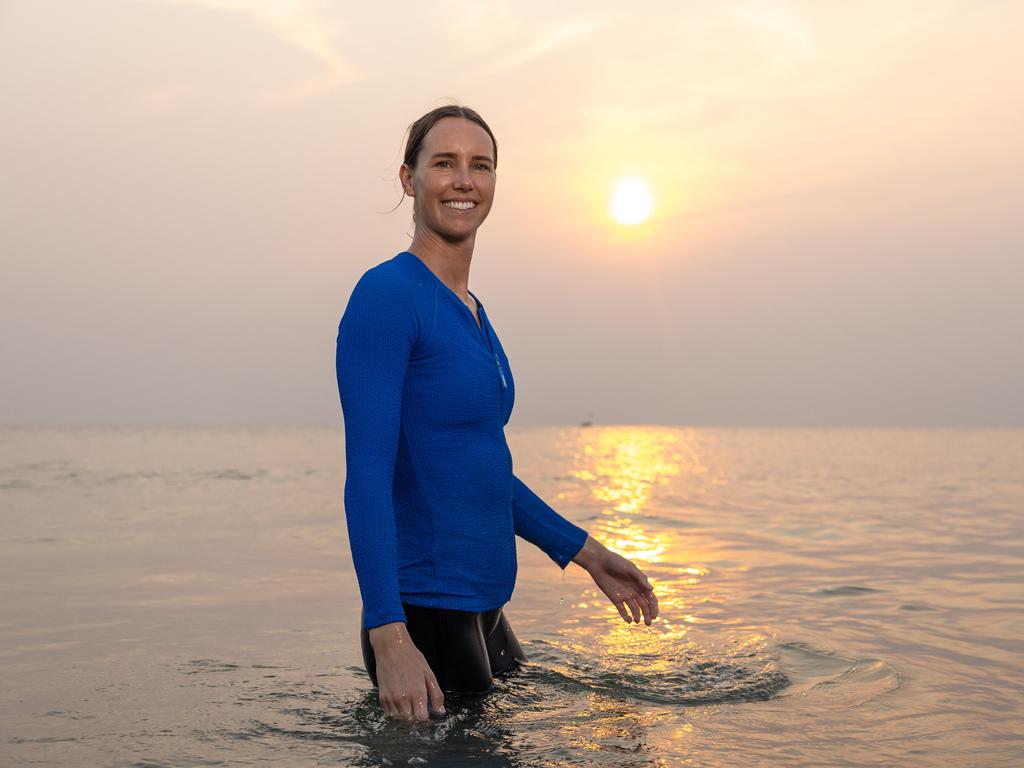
point(640, 484)
point(623, 466)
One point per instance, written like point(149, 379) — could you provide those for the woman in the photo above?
point(431, 503)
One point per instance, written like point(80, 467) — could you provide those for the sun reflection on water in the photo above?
point(624, 464)
point(630, 481)
point(622, 468)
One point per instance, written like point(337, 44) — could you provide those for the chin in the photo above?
point(459, 233)
point(458, 237)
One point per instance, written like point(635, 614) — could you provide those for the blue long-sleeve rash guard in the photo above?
point(430, 499)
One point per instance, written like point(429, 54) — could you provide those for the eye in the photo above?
point(442, 162)
point(483, 166)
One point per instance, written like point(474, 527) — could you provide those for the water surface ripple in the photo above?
point(829, 597)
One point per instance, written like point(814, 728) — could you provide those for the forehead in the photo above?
point(459, 135)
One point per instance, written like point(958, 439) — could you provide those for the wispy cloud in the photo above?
point(775, 20)
point(542, 43)
point(300, 23)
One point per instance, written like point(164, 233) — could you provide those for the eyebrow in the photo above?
point(453, 155)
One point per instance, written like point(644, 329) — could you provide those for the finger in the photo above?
point(385, 704)
point(622, 610)
point(419, 705)
point(648, 592)
point(634, 609)
point(435, 694)
point(652, 600)
point(655, 609)
point(646, 607)
point(405, 706)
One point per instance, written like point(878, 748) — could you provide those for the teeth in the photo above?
point(460, 206)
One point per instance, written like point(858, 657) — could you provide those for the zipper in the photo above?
point(486, 332)
point(501, 372)
point(486, 328)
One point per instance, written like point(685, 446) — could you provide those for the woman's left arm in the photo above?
point(540, 525)
point(623, 583)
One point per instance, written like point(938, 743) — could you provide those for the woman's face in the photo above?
point(453, 181)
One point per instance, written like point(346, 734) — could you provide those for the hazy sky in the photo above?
point(190, 189)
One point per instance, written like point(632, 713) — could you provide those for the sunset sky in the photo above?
point(190, 189)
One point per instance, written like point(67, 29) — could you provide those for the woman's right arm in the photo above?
point(375, 340)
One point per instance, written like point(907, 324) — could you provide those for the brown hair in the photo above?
point(419, 129)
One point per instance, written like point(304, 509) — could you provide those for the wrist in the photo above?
point(388, 638)
point(591, 552)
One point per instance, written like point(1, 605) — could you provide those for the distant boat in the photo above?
point(589, 421)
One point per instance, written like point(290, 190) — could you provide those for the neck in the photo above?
point(449, 261)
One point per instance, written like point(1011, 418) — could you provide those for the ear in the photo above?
point(405, 175)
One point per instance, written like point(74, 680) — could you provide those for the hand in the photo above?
point(623, 583)
point(404, 679)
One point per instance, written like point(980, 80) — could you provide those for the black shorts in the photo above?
point(465, 650)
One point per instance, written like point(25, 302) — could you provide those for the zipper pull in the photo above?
point(501, 373)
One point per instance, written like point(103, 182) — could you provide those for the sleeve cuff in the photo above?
point(373, 619)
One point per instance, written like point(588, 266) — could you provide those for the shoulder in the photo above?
point(390, 279)
point(393, 293)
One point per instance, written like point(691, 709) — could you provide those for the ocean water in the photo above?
point(184, 597)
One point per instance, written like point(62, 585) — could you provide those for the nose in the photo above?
point(462, 179)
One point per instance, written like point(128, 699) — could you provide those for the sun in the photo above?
point(631, 203)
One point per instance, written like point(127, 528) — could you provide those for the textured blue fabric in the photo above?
point(431, 502)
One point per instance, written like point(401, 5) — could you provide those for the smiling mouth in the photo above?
point(459, 205)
